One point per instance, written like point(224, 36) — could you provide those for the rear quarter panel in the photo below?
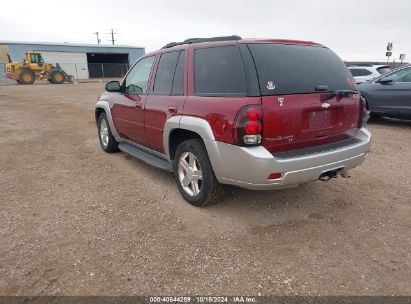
point(219, 112)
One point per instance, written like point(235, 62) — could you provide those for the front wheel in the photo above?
point(107, 141)
point(194, 174)
point(56, 77)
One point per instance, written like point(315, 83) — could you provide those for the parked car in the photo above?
point(389, 95)
point(364, 73)
point(259, 114)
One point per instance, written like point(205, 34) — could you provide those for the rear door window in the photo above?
point(219, 71)
point(178, 81)
point(295, 69)
point(165, 73)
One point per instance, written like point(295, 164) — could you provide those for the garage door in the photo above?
point(72, 63)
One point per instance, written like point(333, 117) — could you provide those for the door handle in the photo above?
point(172, 109)
point(138, 105)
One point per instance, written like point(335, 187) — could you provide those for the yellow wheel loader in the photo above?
point(33, 68)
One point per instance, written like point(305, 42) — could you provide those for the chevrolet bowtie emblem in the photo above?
point(325, 105)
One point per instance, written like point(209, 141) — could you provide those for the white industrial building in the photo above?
point(84, 61)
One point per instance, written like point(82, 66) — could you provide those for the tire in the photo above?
point(372, 115)
point(208, 190)
point(26, 77)
point(106, 138)
point(56, 77)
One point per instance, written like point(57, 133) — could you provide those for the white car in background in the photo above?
point(364, 73)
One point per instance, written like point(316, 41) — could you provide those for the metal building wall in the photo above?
point(16, 51)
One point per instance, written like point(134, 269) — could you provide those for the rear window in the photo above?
point(218, 71)
point(296, 69)
point(383, 70)
point(360, 72)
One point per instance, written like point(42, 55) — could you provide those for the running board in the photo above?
point(145, 156)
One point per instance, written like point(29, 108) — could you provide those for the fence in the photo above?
point(107, 70)
point(95, 70)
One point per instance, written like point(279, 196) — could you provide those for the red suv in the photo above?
point(259, 114)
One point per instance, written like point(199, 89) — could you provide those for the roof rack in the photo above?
point(201, 40)
point(363, 64)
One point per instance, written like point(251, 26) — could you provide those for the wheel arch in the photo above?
point(98, 112)
point(368, 99)
point(177, 136)
point(179, 128)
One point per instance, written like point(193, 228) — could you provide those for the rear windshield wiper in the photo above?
point(334, 93)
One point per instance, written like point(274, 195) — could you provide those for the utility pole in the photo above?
point(98, 38)
point(112, 36)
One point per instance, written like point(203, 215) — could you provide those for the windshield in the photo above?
point(296, 69)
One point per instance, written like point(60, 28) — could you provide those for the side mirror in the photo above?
point(113, 86)
point(385, 81)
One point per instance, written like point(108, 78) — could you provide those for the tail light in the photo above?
point(248, 126)
point(363, 117)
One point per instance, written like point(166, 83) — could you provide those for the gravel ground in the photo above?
point(77, 221)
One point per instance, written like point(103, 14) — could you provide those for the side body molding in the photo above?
point(104, 104)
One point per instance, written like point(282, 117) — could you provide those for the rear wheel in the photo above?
point(26, 77)
point(107, 141)
point(370, 114)
point(57, 77)
point(194, 174)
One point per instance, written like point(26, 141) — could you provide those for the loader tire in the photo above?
point(26, 77)
point(56, 77)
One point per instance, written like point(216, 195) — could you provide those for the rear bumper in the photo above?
point(250, 167)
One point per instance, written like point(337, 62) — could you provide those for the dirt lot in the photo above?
point(77, 221)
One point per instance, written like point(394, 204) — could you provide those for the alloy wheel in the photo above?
point(104, 132)
point(190, 174)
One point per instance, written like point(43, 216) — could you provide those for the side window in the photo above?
point(178, 82)
point(34, 58)
point(401, 75)
point(165, 73)
point(136, 81)
point(360, 72)
point(365, 72)
point(219, 71)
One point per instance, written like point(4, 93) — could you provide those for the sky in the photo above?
point(355, 30)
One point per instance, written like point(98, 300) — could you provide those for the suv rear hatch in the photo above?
point(309, 97)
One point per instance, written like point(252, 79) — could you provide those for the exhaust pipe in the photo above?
point(326, 176)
